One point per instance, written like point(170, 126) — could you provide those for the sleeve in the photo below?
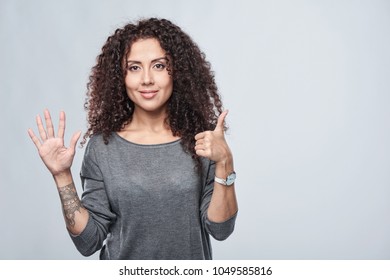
point(95, 200)
point(219, 231)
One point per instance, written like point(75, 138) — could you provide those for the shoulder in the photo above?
point(96, 145)
point(113, 147)
point(94, 141)
point(97, 141)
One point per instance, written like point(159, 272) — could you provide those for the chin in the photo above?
point(153, 109)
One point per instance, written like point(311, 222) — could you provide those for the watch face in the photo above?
point(230, 178)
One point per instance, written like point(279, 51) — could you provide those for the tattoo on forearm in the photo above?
point(70, 203)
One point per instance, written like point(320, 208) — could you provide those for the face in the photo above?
point(147, 81)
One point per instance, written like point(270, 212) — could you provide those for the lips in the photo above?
point(148, 94)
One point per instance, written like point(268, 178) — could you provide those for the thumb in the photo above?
point(74, 140)
point(221, 121)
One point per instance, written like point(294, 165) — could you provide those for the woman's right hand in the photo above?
point(57, 158)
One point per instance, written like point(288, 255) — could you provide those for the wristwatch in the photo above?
point(228, 181)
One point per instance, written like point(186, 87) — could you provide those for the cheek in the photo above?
point(170, 86)
point(166, 82)
point(131, 82)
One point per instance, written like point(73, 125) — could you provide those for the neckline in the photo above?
point(116, 135)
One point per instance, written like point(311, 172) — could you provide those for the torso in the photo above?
point(155, 192)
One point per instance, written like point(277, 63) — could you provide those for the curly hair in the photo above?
point(194, 105)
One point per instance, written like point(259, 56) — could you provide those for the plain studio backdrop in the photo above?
point(307, 84)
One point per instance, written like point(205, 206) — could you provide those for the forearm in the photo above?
point(75, 215)
point(223, 204)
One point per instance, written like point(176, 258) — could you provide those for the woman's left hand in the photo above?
point(212, 144)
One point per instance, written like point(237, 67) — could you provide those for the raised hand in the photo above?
point(212, 144)
point(51, 148)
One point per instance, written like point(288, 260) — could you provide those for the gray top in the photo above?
point(146, 202)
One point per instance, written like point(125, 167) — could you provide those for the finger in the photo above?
point(221, 121)
point(201, 153)
point(49, 124)
point(199, 147)
point(200, 142)
point(74, 140)
point(35, 139)
point(200, 135)
point(41, 129)
point(61, 125)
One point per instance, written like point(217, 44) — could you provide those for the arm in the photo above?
point(75, 215)
point(212, 145)
point(220, 230)
point(223, 203)
point(58, 159)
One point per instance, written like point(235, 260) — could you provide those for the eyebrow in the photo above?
point(154, 60)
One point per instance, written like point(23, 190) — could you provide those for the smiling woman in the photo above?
point(157, 175)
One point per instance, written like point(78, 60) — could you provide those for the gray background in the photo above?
point(307, 84)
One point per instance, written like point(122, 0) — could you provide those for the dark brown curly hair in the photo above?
point(194, 105)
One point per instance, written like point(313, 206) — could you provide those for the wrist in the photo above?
point(224, 167)
point(63, 178)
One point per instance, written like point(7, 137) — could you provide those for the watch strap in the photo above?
point(228, 181)
point(220, 181)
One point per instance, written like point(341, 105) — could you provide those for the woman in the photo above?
point(157, 173)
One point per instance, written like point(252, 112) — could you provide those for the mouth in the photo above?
point(148, 94)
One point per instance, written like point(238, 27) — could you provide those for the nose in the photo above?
point(147, 78)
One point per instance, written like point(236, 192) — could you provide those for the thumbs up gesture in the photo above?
point(212, 144)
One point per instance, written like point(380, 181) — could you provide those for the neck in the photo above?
point(148, 128)
point(149, 121)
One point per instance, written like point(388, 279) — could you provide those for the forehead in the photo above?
point(145, 48)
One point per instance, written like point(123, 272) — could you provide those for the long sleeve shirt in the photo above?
point(147, 202)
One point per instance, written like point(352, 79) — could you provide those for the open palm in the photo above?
point(51, 148)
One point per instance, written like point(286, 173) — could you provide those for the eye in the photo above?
point(159, 66)
point(133, 68)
